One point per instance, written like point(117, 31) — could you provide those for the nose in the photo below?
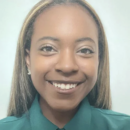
point(66, 63)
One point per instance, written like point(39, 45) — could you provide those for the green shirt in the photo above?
point(86, 118)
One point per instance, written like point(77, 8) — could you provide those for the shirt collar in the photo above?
point(37, 119)
point(81, 120)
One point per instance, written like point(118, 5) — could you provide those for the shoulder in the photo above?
point(15, 123)
point(110, 119)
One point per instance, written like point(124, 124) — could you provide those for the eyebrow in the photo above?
point(57, 40)
point(48, 38)
point(85, 39)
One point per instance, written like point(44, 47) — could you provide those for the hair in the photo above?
point(23, 91)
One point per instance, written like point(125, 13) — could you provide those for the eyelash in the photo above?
point(48, 47)
point(90, 51)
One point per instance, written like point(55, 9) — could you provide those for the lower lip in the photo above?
point(64, 91)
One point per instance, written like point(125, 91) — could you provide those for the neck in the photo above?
point(55, 116)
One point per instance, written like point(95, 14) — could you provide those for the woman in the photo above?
point(61, 74)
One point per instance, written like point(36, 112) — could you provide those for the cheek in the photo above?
point(40, 66)
point(90, 68)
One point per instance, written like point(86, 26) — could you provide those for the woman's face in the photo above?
point(64, 52)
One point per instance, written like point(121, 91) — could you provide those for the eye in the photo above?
point(47, 49)
point(86, 51)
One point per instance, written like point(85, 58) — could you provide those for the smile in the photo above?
point(65, 87)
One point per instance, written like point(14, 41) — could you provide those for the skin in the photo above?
point(67, 23)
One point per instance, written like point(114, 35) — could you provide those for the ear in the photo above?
point(27, 58)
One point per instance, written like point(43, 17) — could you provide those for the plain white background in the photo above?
point(115, 15)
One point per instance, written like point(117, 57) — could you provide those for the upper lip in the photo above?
point(65, 81)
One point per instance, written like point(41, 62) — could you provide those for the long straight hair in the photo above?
point(23, 90)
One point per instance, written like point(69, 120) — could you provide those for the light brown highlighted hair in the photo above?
point(23, 91)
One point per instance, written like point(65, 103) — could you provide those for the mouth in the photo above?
point(65, 87)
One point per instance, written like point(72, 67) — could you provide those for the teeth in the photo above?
point(68, 86)
point(58, 85)
point(73, 86)
point(55, 84)
point(64, 86)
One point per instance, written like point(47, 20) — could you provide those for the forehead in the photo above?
point(66, 20)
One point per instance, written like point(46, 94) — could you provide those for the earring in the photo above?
point(29, 72)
